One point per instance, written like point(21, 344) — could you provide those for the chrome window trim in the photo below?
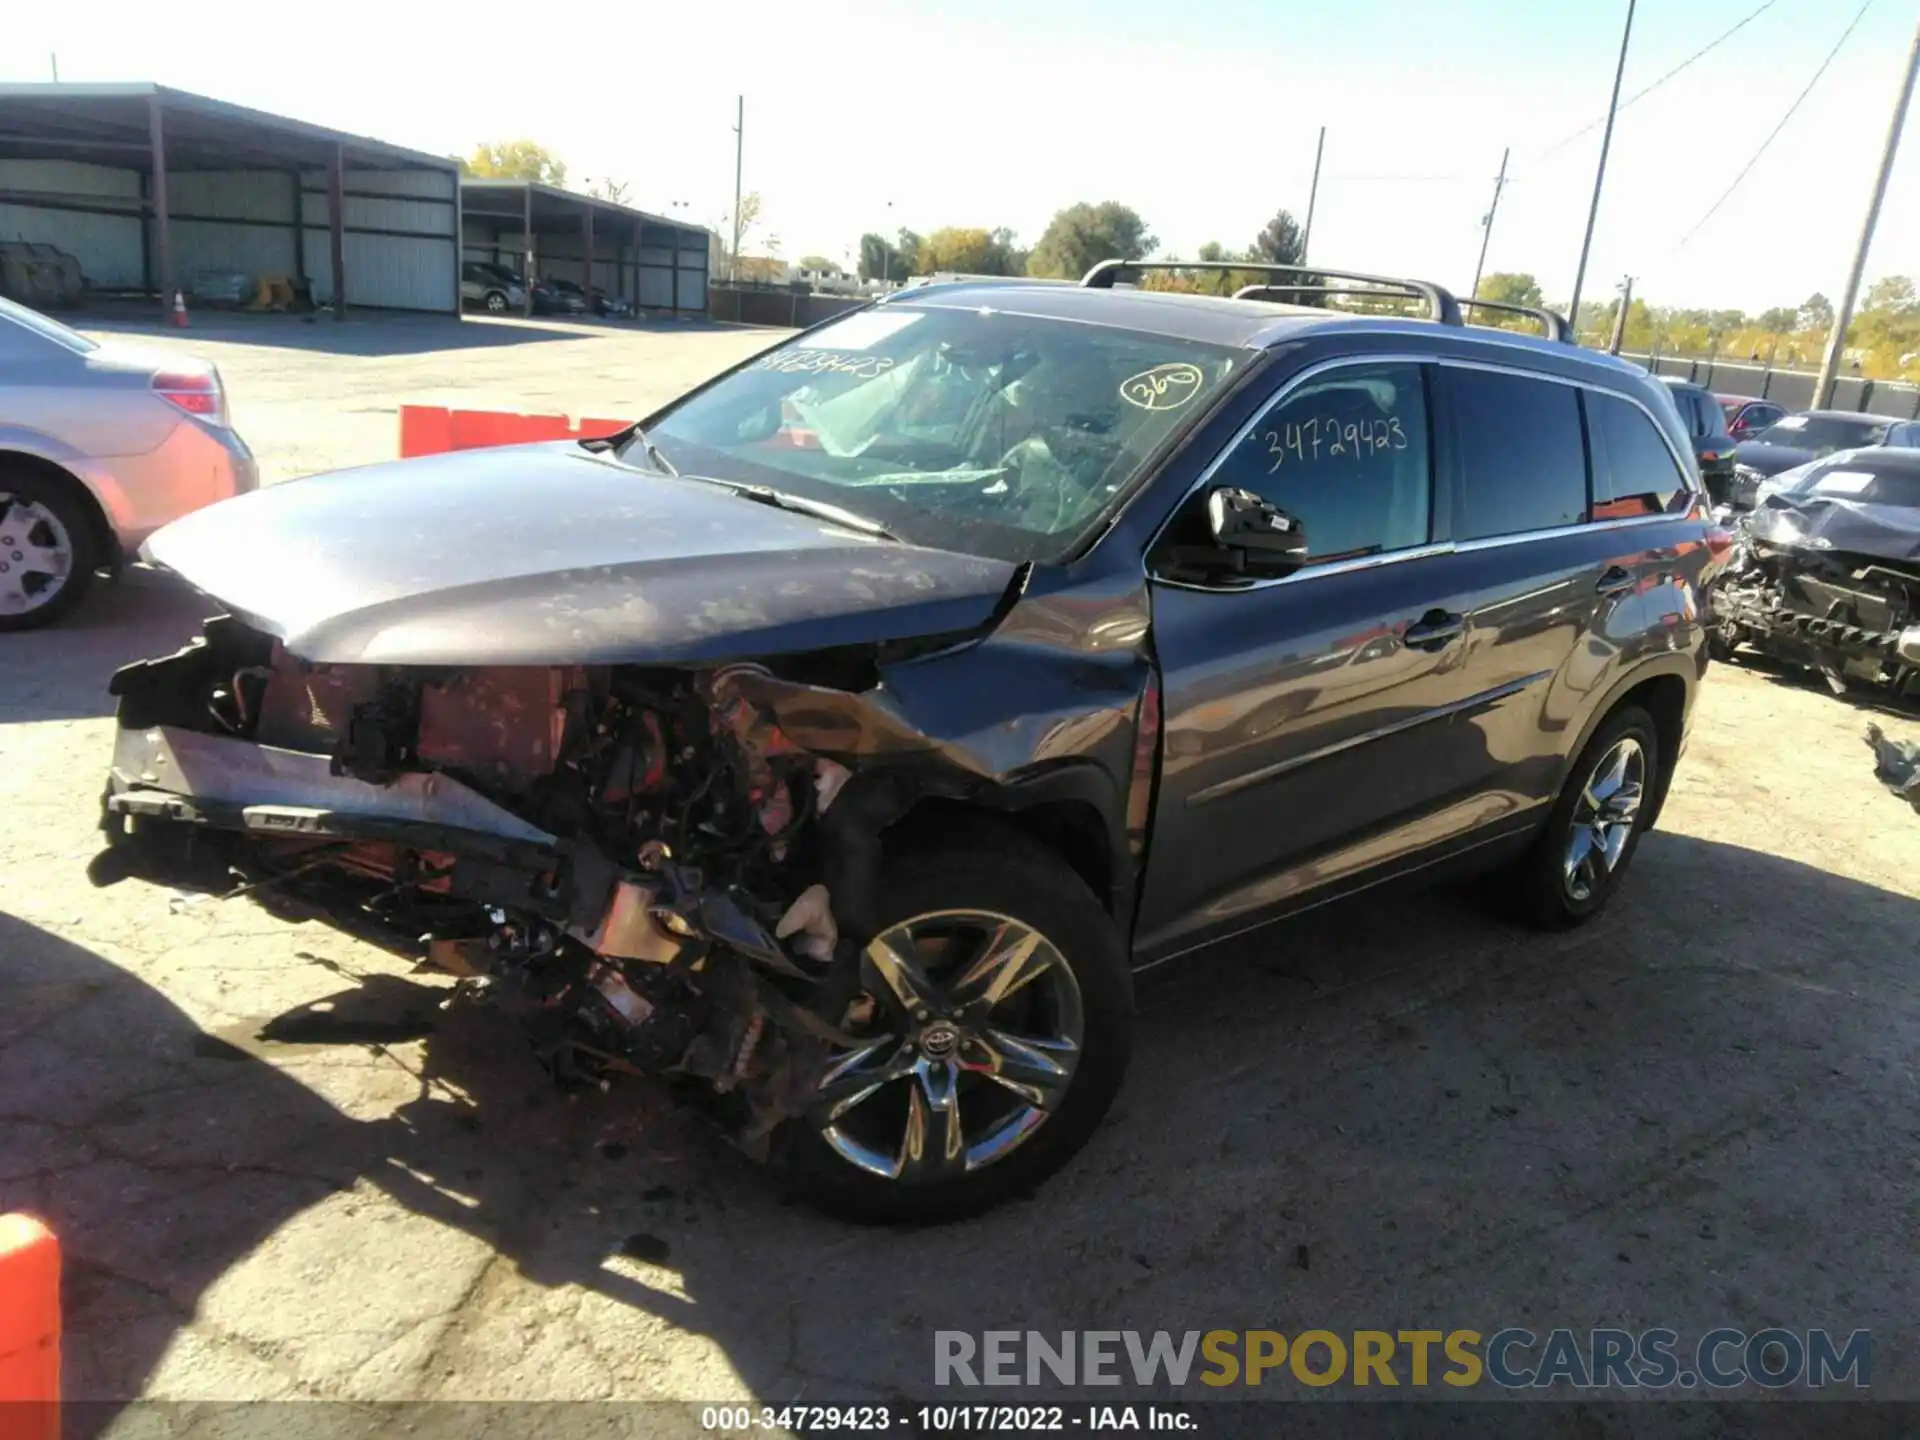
point(1417, 552)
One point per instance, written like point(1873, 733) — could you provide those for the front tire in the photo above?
point(47, 549)
point(996, 1020)
point(1579, 860)
point(496, 302)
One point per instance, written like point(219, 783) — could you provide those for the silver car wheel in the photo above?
point(972, 1032)
point(1604, 817)
point(496, 303)
point(36, 555)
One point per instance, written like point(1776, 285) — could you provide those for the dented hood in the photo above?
point(1850, 527)
point(546, 554)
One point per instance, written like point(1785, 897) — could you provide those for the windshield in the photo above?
point(973, 430)
point(47, 329)
point(1823, 434)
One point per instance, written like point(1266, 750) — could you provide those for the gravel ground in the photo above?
point(282, 1170)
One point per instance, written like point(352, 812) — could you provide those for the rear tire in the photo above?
point(48, 552)
point(1579, 860)
point(835, 1164)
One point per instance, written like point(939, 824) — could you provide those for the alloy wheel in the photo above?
point(970, 1030)
point(36, 555)
point(1604, 817)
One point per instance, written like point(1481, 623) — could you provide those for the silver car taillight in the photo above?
point(198, 392)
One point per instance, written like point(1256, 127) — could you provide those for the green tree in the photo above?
point(1005, 256)
point(820, 263)
point(881, 258)
point(1510, 287)
point(958, 250)
point(516, 160)
point(1280, 241)
point(907, 245)
point(614, 192)
point(1816, 313)
point(1081, 236)
point(1780, 320)
point(1891, 293)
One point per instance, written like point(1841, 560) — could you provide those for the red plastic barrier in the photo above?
point(29, 1330)
point(433, 430)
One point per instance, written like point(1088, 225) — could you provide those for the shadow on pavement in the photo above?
point(1398, 1114)
point(61, 672)
point(1874, 699)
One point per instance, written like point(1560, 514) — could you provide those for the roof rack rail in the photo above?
point(1441, 305)
point(1551, 321)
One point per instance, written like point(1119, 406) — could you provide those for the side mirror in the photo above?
point(1256, 535)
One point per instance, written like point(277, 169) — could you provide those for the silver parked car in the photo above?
point(100, 445)
point(494, 288)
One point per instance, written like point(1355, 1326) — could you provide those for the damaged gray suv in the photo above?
point(839, 742)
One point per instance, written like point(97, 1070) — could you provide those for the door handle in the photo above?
point(1616, 580)
point(1434, 630)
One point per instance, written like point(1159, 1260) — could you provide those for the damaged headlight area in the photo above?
point(638, 860)
point(1791, 592)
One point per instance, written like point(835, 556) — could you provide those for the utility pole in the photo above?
point(1620, 320)
point(1843, 315)
point(739, 148)
point(54, 60)
point(1313, 195)
point(1600, 172)
point(1486, 222)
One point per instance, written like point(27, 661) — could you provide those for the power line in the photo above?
point(1714, 209)
point(1649, 89)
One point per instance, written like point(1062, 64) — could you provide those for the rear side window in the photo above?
point(1522, 457)
point(1703, 415)
point(34, 323)
point(1634, 472)
point(1346, 454)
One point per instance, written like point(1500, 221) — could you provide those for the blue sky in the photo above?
point(1201, 115)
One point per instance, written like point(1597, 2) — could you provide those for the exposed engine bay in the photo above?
point(1829, 585)
point(638, 860)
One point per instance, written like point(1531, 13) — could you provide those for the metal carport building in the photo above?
point(548, 233)
point(148, 186)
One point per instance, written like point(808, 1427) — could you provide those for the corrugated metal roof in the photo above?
point(114, 117)
point(557, 200)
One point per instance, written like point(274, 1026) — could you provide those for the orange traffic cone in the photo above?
point(179, 317)
point(29, 1330)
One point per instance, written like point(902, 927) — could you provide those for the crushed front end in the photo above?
point(638, 859)
point(1828, 585)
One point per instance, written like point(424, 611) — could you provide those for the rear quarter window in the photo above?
point(1520, 454)
point(1634, 473)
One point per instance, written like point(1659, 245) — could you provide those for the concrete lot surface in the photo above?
point(282, 1169)
point(320, 395)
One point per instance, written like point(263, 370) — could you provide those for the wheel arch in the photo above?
point(106, 545)
point(1072, 811)
point(1665, 688)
